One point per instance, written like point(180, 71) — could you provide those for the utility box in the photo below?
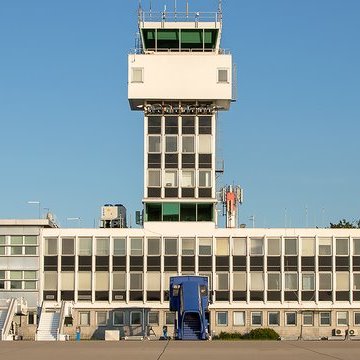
point(112, 335)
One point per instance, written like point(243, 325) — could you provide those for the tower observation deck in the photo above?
point(180, 77)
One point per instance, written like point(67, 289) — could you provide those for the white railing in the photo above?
point(171, 16)
point(9, 316)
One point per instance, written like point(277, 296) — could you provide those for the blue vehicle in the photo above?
point(189, 298)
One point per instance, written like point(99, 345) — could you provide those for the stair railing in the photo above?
point(8, 320)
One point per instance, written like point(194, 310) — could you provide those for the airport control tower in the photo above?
point(180, 78)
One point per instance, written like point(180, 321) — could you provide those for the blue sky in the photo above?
point(69, 140)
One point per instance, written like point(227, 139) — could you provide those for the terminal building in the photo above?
point(57, 282)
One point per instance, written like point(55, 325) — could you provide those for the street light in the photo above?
point(36, 203)
point(74, 219)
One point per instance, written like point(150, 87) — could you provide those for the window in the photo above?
point(256, 281)
point(67, 246)
point(221, 318)
point(291, 281)
point(25, 280)
point(136, 246)
point(101, 281)
point(154, 145)
point(50, 280)
point(137, 75)
point(171, 178)
point(188, 144)
point(239, 281)
point(341, 318)
point(356, 243)
point(31, 318)
point(256, 246)
point(67, 281)
point(342, 281)
point(274, 281)
point(356, 282)
point(308, 282)
point(342, 247)
point(274, 247)
point(118, 318)
point(85, 246)
point(51, 246)
point(2, 242)
point(239, 246)
point(239, 318)
point(290, 319)
point(205, 124)
point(119, 247)
point(154, 178)
point(222, 246)
point(204, 178)
point(325, 318)
point(325, 281)
point(205, 246)
point(119, 281)
point(188, 125)
point(274, 318)
point(101, 318)
point(153, 318)
point(153, 281)
point(153, 246)
point(169, 318)
point(102, 246)
point(171, 211)
point(308, 246)
point(256, 318)
point(84, 280)
point(84, 318)
point(308, 318)
point(222, 281)
point(188, 246)
point(357, 318)
point(223, 75)
point(154, 124)
point(171, 144)
point(188, 178)
point(291, 247)
point(205, 144)
point(2, 279)
point(325, 246)
point(171, 246)
point(136, 281)
point(135, 318)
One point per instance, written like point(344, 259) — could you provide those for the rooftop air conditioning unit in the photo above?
point(353, 332)
point(339, 332)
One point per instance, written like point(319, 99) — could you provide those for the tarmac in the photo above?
point(180, 350)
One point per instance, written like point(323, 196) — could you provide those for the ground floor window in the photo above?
point(342, 318)
point(325, 318)
point(308, 318)
point(153, 318)
point(239, 318)
point(118, 318)
point(274, 318)
point(135, 318)
point(256, 318)
point(101, 318)
point(357, 318)
point(84, 318)
point(31, 318)
point(169, 318)
point(222, 318)
point(290, 319)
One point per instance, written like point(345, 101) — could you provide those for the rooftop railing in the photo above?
point(168, 16)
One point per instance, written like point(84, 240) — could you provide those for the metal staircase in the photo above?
point(191, 327)
point(6, 317)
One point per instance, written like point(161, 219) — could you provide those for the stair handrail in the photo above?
point(61, 320)
point(8, 320)
point(40, 314)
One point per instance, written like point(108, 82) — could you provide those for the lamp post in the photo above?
point(36, 203)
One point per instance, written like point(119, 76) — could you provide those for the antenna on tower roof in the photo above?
point(187, 8)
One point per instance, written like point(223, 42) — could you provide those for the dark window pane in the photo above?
point(187, 212)
point(188, 125)
point(205, 161)
point(154, 124)
point(205, 212)
point(171, 125)
point(204, 124)
point(153, 212)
